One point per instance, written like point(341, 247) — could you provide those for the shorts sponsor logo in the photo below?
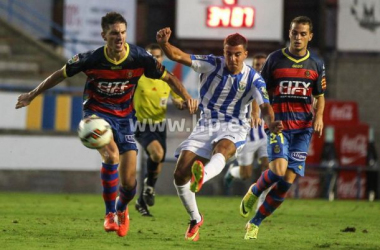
point(130, 138)
point(298, 156)
point(231, 136)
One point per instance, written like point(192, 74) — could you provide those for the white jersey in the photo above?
point(224, 96)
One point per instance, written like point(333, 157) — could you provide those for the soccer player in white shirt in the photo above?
point(256, 144)
point(227, 86)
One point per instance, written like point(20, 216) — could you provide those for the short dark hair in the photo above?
point(259, 56)
point(235, 40)
point(112, 18)
point(302, 20)
point(153, 46)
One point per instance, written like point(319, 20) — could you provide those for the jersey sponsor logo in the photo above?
point(74, 59)
point(298, 156)
point(294, 87)
point(297, 66)
point(201, 57)
point(116, 67)
point(112, 88)
point(130, 138)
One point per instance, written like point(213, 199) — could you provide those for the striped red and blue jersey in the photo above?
point(110, 84)
point(292, 82)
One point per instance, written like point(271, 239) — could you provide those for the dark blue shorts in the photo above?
point(122, 128)
point(292, 146)
point(146, 133)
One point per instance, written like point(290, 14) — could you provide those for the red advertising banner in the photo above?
point(315, 149)
point(349, 186)
point(341, 113)
point(351, 144)
point(308, 187)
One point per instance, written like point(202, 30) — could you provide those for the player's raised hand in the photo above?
point(163, 35)
point(23, 100)
point(276, 127)
point(191, 104)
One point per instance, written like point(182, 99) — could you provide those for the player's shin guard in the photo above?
point(267, 179)
point(110, 182)
point(273, 200)
point(125, 196)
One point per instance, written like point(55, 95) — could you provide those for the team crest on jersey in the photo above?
point(307, 73)
point(74, 59)
point(242, 86)
point(129, 74)
point(265, 92)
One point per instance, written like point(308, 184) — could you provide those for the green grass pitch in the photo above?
point(75, 221)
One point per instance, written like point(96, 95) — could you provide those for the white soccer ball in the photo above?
point(94, 132)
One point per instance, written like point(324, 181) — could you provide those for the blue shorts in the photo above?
point(292, 146)
point(122, 129)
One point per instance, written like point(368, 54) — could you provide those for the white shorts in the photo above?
point(201, 141)
point(246, 156)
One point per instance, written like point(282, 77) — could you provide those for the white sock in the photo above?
point(235, 172)
point(188, 200)
point(214, 167)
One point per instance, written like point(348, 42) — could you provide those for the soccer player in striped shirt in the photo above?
point(227, 87)
point(256, 143)
point(112, 74)
point(294, 77)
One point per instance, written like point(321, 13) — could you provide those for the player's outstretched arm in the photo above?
point(26, 98)
point(172, 52)
point(268, 116)
point(179, 89)
point(319, 106)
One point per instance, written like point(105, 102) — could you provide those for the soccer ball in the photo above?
point(94, 132)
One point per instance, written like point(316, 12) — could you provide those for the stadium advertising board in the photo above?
point(215, 19)
point(82, 21)
point(359, 25)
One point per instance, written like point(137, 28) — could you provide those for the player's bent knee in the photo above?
point(157, 156)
